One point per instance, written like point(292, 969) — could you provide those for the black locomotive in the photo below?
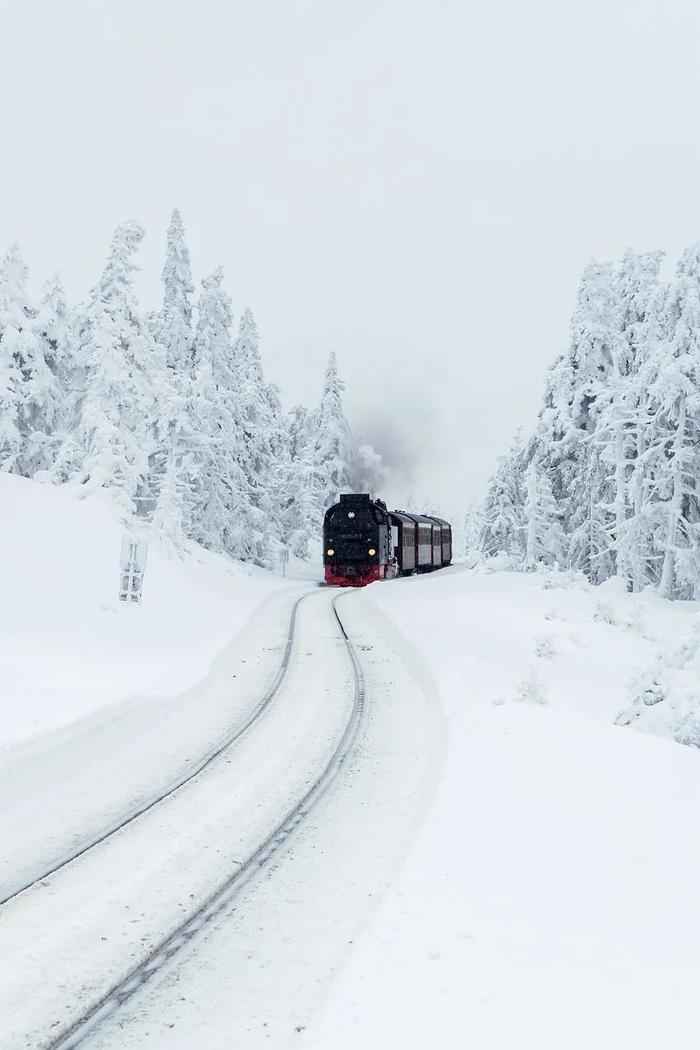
point(364, 542)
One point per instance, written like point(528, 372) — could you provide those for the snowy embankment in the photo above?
point(551, 899)
point(93, 687)
point(68, 646)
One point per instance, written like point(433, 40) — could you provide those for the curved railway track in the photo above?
point(231, 738)
point(140, 974)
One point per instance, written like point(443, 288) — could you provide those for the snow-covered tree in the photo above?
point(15, 329)
point(61, 382)
point(615, 455)
point(622, 426)
point(176, 418)
point(298, 430)
point(178, 460)
point(259, 414)
point(502, 515)
point(330, 441)
point(673, 453)
point(115, 432)
point(298, 518)
point(544, 543)
point(224, 516)
point(471, 529)
point(174, 325)
point(31, 395)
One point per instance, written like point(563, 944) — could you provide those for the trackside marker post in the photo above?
point(132, 568)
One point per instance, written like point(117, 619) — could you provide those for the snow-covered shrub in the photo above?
point(665, 698)
point(533, 689)
point(604, 613)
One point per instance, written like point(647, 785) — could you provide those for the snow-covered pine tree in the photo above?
point(544, 541)
point(299, 514)
point(279, 482)
point(54, 327)
point(618, 437)
point(501, 516)
point(224, 517)
point(471, 530)
point(15, 321)
point(581, 479)
point(174, 324)
point(30, 394)
point(115, 432)
point(624, 420)
point(330, 442)
point(259, 415)
point(177, 463)
point(298, 430)
point(672, 457)
point(179, 456)
point(616, 426)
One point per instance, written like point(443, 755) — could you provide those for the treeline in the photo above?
point(169, 410)
point(608, 482)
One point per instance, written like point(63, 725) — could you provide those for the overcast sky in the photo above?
point(416, 185)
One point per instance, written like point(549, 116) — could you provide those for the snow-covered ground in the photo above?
point(111, 906)
point(68, 646)
point(259, 972)
point(502, 863)
point(104, 704)
point(551, 899)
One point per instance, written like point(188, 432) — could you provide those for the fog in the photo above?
point(416, 186)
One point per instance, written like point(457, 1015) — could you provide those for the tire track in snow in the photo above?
point(234, 735)
point(139, 975)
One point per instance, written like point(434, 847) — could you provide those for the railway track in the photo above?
point(194, 770)
point(73, 1035)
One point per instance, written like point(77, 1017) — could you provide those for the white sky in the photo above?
point(414, 184)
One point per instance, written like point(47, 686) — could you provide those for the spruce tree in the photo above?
point(299, 513)
point(15, 353)
point(224, 516)
point(330, 441)
point(177, 462)
point(674, 438)
point(174, 325)
point(501, 516)
point(31, 395)
point(543, 538)
point(115, 432)
point(54, 328)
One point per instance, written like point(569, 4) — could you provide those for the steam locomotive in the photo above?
point(364, 542)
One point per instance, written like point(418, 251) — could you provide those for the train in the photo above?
point(363, 541)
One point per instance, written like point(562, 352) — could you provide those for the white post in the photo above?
point(132, 568)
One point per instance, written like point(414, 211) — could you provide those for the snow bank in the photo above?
point(67, 645)
point(551, 899)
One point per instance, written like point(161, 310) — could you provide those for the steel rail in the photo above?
point(192, 771)
point(222, 897)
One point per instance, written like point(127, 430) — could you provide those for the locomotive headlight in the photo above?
point(371, 552)
point(330, 552)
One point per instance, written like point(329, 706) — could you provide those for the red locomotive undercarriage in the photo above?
point(357, 575)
